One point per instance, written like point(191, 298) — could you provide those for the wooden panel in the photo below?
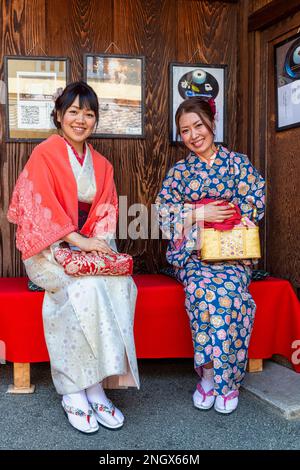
point(272, 13)
point(21, 383)
point(255, 5)
point(283, 173)
point(89, 29)
point(206, 36)
point(242, 79)
point(144, 31)
point(255, 365)
point(275, 154)
point(162, 30)
point(23, 33)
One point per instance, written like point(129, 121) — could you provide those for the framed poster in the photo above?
point(206, 81)
point(287, 83)
point(119, 83)
point(31, 86)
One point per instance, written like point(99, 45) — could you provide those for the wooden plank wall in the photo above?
point(277, 154)
point(163, 31)
point(255, 5)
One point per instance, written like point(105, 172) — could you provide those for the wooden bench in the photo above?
point(161, 324)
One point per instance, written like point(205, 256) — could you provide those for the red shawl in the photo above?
point(227, 224)
point(44, 203)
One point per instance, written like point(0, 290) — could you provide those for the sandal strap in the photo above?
point(203, 392)
point(101, 407)
point(77, 411)
point(231, 396)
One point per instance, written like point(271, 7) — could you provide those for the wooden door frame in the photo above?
point(264, 28)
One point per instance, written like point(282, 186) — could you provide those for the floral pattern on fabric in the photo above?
point(77, 411)
point(27, 210)
point(231, 178)
point(220, 308)
point(101, 408)
point(58, 182)
point(90, 264)
point(221, 313)
point(88, 320)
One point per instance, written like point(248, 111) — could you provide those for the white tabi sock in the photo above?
point(201, 401)
point(96, 394)
point(79, 401)
point(227, 405)
point(207, 380)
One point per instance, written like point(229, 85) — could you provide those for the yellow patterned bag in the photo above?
point(222, 245)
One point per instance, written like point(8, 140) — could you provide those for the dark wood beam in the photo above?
point(222, 1)
point(272, 13)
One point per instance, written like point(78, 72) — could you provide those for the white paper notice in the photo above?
point(289, 104)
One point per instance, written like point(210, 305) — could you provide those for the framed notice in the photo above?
point(32, 84)
point(119, 83)
point(205, 81)
point(287, 83)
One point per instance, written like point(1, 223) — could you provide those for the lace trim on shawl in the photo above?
point(27, 211)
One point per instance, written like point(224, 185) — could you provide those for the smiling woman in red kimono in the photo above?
point(220, 307)
point(66, 192)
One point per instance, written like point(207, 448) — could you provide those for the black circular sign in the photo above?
point(292, 61)
point(198, 83)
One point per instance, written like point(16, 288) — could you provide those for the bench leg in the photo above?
point(255, 365)
point(21, 379)
point(112, 382)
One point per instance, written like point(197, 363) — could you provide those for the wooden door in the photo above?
point(276, 154)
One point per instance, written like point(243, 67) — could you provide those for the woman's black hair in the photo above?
point(198, 106)
point(87, 99)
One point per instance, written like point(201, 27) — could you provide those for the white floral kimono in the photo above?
point(88, 320)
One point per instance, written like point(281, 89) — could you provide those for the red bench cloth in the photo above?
point(161, 323)
point(277, 320)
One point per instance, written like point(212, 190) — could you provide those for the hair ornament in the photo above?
point(58, 93)
point(212, 105)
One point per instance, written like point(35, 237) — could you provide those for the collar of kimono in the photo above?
point(44, 203)
point(221, 158)
point(79, 158)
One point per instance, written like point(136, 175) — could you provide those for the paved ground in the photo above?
point(278, 386)
point(159, 416)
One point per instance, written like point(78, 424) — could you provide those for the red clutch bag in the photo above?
point(75, 263)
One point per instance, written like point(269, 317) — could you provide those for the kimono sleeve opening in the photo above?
point(250, 189)
point(175, 219)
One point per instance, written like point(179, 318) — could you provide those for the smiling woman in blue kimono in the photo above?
point(219, 305)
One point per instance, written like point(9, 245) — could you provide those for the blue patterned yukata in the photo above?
point(219, 305)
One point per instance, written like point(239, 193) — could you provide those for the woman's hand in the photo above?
point(88, 244)
point(95, 245)
point(213, 212)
